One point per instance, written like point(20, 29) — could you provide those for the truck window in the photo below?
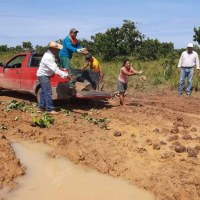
point(16, 62)
point(35, 60)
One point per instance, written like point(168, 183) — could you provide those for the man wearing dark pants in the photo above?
point(46, 69)
point(187, 61)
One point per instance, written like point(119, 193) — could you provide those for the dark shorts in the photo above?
point(121, 87)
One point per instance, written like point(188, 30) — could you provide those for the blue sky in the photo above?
point(41, 21)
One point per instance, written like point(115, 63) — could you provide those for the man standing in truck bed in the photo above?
point(70, 46)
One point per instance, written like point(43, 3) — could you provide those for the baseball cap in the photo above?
point(73, 30)
point(55, 45)
point(190, 45)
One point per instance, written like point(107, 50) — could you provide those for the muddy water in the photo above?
point(49, 179)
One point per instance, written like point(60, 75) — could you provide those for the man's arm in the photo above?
point(135, 72)
point(124, 71)
point(78, 47)
point(51, 64)
point(180, 63)
point(86, 64)
point(101, 73)
point(69, 46)
point(197, 62)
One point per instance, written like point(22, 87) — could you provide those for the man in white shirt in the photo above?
point(46, 69)
point(188, 60)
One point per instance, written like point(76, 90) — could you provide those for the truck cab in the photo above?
point(19, 74)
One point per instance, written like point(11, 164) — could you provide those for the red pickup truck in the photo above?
point(19, 74)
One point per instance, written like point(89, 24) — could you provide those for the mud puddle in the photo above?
point(57, 178)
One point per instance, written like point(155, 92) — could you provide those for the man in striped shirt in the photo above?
point(187, 61)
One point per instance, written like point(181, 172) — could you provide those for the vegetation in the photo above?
point(19, 105)
point(66, 112)
point(122, 41)
point(196, 35)
point(153, 50)
point(101, 122)
point(43, 121)
point(126, 41)
point(157, 59)
point(159, 73)
point(15, 105)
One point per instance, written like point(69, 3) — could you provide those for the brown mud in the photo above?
point(153, 141)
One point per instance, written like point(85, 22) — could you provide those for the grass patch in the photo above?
point(5, 56)
point(160, 73)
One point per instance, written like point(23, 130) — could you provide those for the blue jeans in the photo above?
point(45, 94)
point(186, 72)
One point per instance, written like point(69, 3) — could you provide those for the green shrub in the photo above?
point(44, 121)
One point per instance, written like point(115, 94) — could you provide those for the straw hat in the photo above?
point(55, 45)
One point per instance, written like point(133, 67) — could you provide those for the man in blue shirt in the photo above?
point(70, 45)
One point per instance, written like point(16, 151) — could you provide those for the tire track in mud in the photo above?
point(192, 115)
point(158, 104)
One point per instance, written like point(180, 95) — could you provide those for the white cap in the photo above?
point(190, 45)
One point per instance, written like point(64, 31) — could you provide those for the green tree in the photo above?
point(3, 48)
point(129, 38)
point(118, 41)
point(18, 48)
point(27, 46)
point(89, 45)
point(196, 35)
point(197, 49)
point(105, 44)
point(40, 49)
point(154, 49)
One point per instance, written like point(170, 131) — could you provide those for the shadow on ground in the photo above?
point(71, 104)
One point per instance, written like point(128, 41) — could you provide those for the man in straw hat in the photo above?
point(188, 60)
point(46, 69)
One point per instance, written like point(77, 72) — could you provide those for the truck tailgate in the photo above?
point(92, 94)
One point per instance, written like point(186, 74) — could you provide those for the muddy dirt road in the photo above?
point(153, 141)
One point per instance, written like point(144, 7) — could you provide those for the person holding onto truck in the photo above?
point(46, 69)
point(125, 71)
point(93, 63)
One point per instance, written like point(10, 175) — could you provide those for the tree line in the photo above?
point(124, 41)
point(26, 46)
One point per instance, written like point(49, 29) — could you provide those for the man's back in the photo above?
point(94, 65)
